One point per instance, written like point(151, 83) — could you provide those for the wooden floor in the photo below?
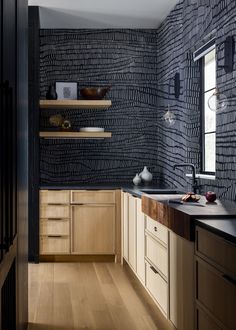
point(89, 296)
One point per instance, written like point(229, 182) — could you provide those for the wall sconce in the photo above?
point(217, 101)
point(228, 46)
point(169, 117)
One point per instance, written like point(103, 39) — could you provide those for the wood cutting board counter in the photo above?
point(180, 217)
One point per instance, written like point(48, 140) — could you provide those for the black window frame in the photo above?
point(202, 118)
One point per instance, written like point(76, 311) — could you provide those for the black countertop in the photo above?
point(224, 227)
point(134, 190)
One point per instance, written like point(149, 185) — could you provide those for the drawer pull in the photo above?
point(154, 270)
point(55, 204)
point(229, 279)
point(54, 236)
point(55, 219)
point(155, 228)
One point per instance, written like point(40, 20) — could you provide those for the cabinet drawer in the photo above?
point(54, 245)
point(216, 249)
point(157, 287)
point(54, 196)
point(217, 293)
point(156, 229)
point(93, 197)
point(54, 211)
point(205, 322)
point(54, 227)
point(157, 254)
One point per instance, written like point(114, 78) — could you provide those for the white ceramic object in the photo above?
point(137, 180)
point(145, 175)
point(91, 129)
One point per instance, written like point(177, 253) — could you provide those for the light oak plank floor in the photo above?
point(102, 296)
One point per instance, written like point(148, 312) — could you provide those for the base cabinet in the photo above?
point(181, 282)
point(157, 287)
point(140, 241)
point(132, 258)
point(79, 222)
point(215, 280)
point(93, 229)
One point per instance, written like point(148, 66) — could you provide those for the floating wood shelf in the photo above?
point(75, 135)
point(74, 104)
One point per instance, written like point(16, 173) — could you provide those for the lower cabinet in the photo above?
point(53, 244)
point(79, 222)
point(93, 229)
point(181, 282)
point(132, 228)
point(164, 263)
point(157, 287)
point(215, 281)
point(205, 322)
point(140, 241)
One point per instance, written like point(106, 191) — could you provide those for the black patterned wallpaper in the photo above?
point(124, 59)
point(140, 65)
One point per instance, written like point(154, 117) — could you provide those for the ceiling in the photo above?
point(95, 14)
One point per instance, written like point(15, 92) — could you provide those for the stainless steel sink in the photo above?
point(161, 191)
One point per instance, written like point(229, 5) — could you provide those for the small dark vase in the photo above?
point(51, 93)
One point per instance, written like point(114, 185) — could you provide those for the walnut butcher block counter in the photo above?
point(180, 217)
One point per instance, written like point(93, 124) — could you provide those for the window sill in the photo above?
point(202, 176)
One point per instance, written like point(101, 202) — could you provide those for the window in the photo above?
point(208, 116)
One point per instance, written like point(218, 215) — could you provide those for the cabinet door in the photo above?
point(93, 229)
point(125, 226)
point(181, 282)
point(132, 231)
point(140, 241)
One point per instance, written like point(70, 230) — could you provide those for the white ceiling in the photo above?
point(79, 14)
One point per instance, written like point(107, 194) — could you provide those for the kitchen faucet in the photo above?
point(195, 185)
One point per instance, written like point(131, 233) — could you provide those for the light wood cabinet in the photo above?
point(54, 197)
point(215, 279)
point(181, 282)
point(54, 222)
point(157, 287)
point(140, 241)
point(80, 222)
point(54, 244)
point(125, 225)
point(93, 229)
point(93, 196)
point(132, 211)
point(157, 254)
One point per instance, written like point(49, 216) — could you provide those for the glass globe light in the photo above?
point(169, 118)
point(217, 101)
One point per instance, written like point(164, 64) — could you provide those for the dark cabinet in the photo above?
point(13, 309)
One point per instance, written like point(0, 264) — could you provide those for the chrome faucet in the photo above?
point(195, 185)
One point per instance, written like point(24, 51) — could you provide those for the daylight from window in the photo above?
point(209, 116)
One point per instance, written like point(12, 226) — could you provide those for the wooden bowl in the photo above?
point(94, 93)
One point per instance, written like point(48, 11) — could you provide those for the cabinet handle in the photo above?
point(55, 204)
point(55, 236)
point(229, 279)
point(154, 270)
point(155, 228)
point(55, 219)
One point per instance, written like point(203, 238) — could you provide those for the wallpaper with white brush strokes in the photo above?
point(139, 64)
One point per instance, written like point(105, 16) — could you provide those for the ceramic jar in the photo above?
point(145, 175)
point(51, 93)
point(137, 180)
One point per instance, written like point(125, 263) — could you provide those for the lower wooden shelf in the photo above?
point(75, 135)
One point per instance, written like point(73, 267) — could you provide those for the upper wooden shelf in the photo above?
point(75, 135)
point(74, 104)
